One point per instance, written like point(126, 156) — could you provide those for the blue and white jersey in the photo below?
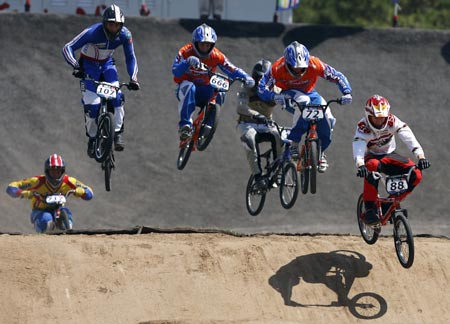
point(95, 46)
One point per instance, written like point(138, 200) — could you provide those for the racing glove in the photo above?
point(346, 99)
point(363, 172)
point(26, 194)
point(79, 73)
point(79, 192)
point(423, 164)
point(134, 85)
point(249, 82)
point(193, 61)
point(260, 119)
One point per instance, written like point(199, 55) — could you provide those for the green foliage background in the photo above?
point(426, 14)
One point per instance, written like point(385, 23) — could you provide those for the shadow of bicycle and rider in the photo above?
point(337, 270)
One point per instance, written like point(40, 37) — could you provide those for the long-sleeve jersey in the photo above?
point(379, 142)
point(39, 185)
point(279, 76)
point(249, 105)
point(95, 46)
point(182, 71)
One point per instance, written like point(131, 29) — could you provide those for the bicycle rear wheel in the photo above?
point(208, 127)
point(314, 160)
point(255, 198)
point(185, 153)
point(404, 242)
point(108, 165)
point(368, 233)
point(289, 185)
point(105, 137)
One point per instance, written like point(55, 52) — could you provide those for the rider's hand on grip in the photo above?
point(249, 82)
point(363, 172)
point(280, 100)
point(78, 73)
point(26, 194)
point(260, 119)
point(423, 164)
point(346, 99)
point(134, 85)
point(79, 192)
point(193, 61)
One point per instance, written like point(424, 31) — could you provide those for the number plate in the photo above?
point(55, 199)
point(312, 113)
point(220, 83)
point(396, 185)
point(106, 91)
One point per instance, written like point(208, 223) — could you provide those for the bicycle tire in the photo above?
point(108, 166)
point(403, 240)
point(304, 171)
point(368, 233)
point(105, 137)
point(64, 221)
point(314, 161)
point(254, 208)
point(184, 154)
point(206, 134)
point(289, 185)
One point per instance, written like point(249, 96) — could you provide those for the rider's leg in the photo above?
point(42, 221)
point(186, 104)
point(91, 105)
point(248, 140)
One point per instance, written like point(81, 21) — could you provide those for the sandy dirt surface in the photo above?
point(219, 278)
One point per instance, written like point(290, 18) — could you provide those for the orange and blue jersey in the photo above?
point(38, 184)
point(279, 76)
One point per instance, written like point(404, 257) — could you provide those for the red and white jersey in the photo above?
point(379, 142)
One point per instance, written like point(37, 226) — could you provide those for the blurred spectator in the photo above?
point(397, 8)
point(27, 5)
point(4, 5)
point(80, 11)
point(144, 11)
point(208, 7)
point(99, 10)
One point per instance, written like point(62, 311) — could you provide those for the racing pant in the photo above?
point(43, 219)
point(190, 95)
point(390, 164)
point(300, 126)
point(100, 71)
point(250, 133)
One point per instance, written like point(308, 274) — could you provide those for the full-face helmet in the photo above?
point(377, 108)
point(54, 162)
point(261, 67)
point(296, 58)
point(113, 14)
point(204, 33)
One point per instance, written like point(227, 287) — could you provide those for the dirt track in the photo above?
point(217, 278)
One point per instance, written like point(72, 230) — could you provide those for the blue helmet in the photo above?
point(296, 57)
point(203, 33)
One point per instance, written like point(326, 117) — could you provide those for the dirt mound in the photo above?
point(218, 278)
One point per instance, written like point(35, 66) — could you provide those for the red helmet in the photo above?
point(377, 106)
point(54, 161)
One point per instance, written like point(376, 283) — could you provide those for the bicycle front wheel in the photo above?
point(64, 221)
point(255, 198)
point(108, 166)
point(289, 185)
point(208, 127)
point(368, 233)
point(185, 153)
point(105, 137)
point(313, 156)
point(404, 242)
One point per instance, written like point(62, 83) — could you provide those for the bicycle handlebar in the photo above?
point(122, 84)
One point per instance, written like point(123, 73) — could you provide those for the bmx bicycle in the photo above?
point(205, 124)
point(279, 171)
point(310, 151)
point(60, 217)
point(103, 142)
point(389, 210)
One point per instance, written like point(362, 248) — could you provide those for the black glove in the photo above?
point(362, 172)
point(79, 73)
point(260, 119)
point(423, 164)
point(134, 85)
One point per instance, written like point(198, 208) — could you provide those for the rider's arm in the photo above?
point(407, 136)
point(331, 74)
point(359, 144)
point(130, 57)
point(81, 190)
point(77, 42)
point(21, 188)
point(180, 65)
